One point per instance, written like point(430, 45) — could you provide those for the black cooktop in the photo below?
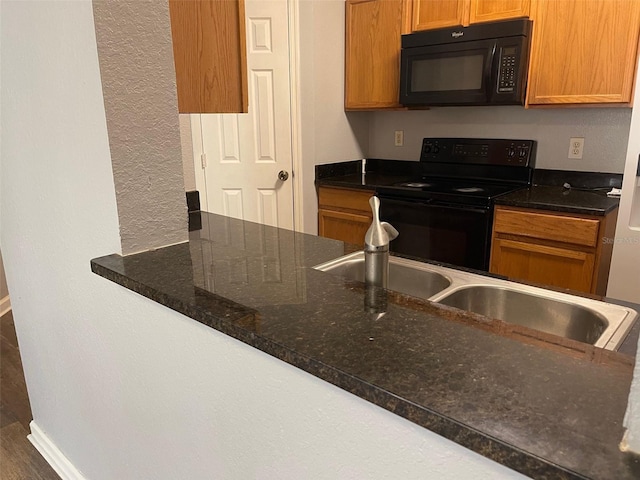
point(449, 190)
point(469, 171)
point(455, 187)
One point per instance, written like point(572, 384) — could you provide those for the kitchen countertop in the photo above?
point(546, 409)
point(547, 193)
point(380, 173)
point(560, 199)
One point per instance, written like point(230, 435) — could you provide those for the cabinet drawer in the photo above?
point(345, 199)
point(574, 230)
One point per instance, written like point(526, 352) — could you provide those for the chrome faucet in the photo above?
point(376, 248)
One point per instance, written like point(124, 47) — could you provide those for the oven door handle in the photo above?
point(461, 208)
point(429, 202)
point(403, 200)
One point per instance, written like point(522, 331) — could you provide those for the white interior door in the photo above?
point(249, 156)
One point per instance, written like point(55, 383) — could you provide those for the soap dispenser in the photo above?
point(376, 248)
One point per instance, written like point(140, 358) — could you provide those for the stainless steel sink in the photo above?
point(567, 320)
point(405, 276)
point(578, 318)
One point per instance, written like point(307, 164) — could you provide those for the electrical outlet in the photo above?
point(399, 138)
point(575, 147)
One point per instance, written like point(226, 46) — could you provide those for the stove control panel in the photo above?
point(499, 152)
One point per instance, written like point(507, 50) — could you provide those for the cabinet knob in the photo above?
point(283, 175)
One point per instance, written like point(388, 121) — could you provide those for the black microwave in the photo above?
point(483, 64)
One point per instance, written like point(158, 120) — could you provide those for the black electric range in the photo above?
point(445, 212)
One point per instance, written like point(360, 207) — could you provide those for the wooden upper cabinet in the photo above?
point(372, 59)
point(584, 52)
point(209, 55)
point(429, 14)
point(492, 10)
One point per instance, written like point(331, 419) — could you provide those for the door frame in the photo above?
point(294, 98)
point(295, 124)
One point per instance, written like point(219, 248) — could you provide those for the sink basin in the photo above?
point(602, 324)
point(405, 276)
point(560, 318)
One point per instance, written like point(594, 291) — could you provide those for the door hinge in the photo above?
point(203, 160)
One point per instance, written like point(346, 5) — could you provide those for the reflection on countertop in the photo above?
point(546, 411)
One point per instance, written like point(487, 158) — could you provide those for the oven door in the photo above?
point(455, 234)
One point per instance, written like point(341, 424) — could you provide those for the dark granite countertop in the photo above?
point(379, 173)
point(587, 195)
point(543, 409)
point(560, 199)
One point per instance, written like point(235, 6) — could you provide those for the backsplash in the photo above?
point(605, 132)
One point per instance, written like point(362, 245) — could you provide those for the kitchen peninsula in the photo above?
point(544, 409)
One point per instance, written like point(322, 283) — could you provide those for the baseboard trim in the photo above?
point(5, 305)
point(52, 454)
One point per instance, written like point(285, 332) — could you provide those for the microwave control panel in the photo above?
point(507, 75)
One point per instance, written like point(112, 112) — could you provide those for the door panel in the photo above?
point(428, 14)
point(492, 10)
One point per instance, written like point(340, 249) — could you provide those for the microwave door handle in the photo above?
point(490, 67)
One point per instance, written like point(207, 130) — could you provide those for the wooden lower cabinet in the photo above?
point(344, 214)
point(550, 248)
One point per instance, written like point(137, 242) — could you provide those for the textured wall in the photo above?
point(605, 131)
point(138, 83)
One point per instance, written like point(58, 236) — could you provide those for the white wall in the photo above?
point(124, 387)
point(188, 160)
point(605, 131)
point(329, 135)
point(624, 280)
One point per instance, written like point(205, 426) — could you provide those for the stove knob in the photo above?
point(436, 149)
point(427, 148)
point(511, 152)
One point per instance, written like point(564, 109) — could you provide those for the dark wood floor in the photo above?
point(19, 460)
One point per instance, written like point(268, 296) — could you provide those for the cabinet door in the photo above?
point(491, 10)
point(372, 70)
point(345, 226)
point(429, 14)
point(584, 52)
point(543, 264)
point(209, 55)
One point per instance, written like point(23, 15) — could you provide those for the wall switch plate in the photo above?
point(399, 138)
point(576, 146)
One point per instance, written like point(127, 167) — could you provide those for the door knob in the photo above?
point(283, 175)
